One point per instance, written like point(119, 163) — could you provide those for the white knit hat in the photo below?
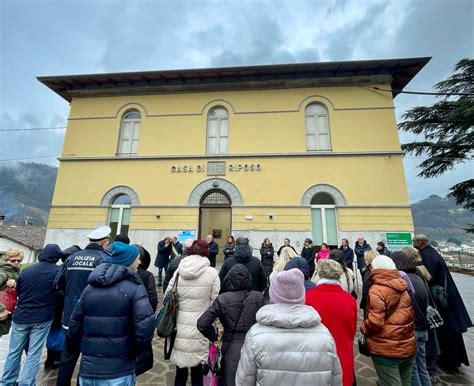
point(383, 262)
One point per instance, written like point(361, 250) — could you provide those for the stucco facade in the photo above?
point(267, 172)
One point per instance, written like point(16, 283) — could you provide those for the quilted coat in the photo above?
point(112, 322)
point(390, 324)
point(288, 346)
point(236, 309)
point(198, 286)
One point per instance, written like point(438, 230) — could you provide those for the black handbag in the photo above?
point(432, 314)
point(362, 343)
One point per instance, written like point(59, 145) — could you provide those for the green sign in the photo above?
point(399, 239)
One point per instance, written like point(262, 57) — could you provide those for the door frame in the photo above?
point(213, 206)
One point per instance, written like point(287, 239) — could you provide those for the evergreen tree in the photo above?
point(448, 130)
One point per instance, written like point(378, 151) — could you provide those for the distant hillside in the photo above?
point(440, 219)
point(26, 189)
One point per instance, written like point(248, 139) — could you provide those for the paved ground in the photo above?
point(163, 372)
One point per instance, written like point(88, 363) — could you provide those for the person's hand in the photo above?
point(11, 283)
point(4, 314)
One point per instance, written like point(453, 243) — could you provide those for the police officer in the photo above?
point(71, 281)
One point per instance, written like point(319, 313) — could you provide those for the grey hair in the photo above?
point(421, 238)
point(329, 269)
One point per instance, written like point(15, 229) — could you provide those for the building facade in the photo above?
point(301, 150)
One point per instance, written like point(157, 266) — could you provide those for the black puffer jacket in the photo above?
point(243, 255)
point(113, 322)
point(235, 315)
point(266, 254)
point(229, 250)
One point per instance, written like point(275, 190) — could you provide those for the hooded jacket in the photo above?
point(389, 327)
point(37, 295)
point(243, 255)
point(236, 310)
point(303, 266)
point(198, 286)
point(112, 322)
point(288, 346)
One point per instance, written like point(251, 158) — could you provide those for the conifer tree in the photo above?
point(447, 128)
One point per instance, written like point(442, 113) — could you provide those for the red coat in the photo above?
point(338, 311)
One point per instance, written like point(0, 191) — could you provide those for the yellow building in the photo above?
point(295, 150)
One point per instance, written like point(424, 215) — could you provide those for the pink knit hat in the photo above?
point(288, 287)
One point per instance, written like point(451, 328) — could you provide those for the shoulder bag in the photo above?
point(432, 314)
point(166, 318)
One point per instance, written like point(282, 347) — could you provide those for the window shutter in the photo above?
point(126, 138)
point(323, 133)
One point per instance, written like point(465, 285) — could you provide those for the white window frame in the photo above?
point(315, 116)
point(323, 220)
point(135, 133)
point(219, 120)
point(119, 222)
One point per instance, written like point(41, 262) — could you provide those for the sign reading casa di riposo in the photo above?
point(217, 168)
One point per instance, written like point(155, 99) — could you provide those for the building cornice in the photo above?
point(185, 206)
point(207, 157)
point(396, 72)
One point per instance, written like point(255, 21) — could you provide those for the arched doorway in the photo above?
point(215, 217)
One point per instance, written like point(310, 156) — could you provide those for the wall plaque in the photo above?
point(216, 168)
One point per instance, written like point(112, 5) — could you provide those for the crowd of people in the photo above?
point(282, 318)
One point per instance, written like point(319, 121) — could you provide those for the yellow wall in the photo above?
point(295, 219)
point(176, 124)
point(264, 121)
point(281, 181)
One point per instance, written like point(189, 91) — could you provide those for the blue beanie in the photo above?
point(123, 254)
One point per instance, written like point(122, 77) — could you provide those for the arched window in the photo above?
point(323, 215)
point(317, 127)
point(217, 131)
point(129, 133)
point(119, 217)
point(322, 198)
point(215, 198)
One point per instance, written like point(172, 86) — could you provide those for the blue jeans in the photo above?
point(126, 380)
point(419, 373)
point(36, 334)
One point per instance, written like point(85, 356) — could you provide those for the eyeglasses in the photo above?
point(15, 261)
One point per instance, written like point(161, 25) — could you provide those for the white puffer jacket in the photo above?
point(198, 286)
point(288, 346)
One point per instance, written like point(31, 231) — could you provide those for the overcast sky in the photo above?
point(41, 37)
